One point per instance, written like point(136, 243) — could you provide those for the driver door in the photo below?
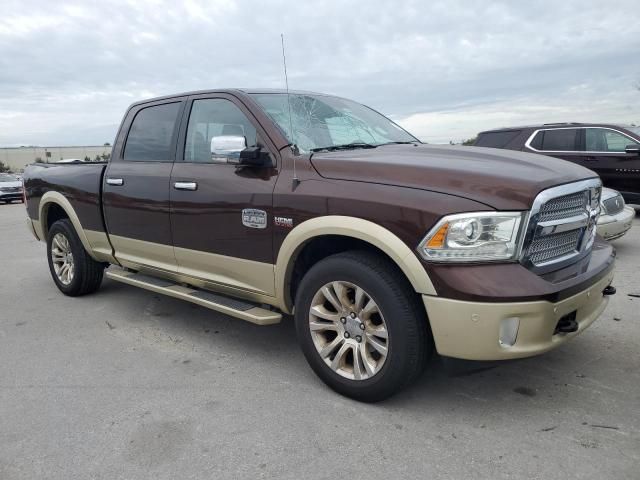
point(221, 213)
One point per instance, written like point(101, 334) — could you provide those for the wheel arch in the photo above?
point(57, 200)
point(358, 229)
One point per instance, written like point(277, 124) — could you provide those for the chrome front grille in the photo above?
point(553, 246)
point(614, 205)
point(562, 225)
point(564, 207)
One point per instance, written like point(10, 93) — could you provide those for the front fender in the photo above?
point(346, 226)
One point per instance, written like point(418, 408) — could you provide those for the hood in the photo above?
point(501, 179)
point(11, 184)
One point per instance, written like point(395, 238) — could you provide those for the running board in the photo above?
point(220, 303)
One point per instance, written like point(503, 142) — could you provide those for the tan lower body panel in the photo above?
point(471, 330)
point(34, 227)
point(100, 246)
point(129, 251)
point(232, 272)
point(257, 315)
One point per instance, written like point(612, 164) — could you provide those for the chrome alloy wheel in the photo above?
point(62, 259)
point(348, 330)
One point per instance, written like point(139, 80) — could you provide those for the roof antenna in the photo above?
point(294, 147)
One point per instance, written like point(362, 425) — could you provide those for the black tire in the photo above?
point(88, 273)
point(409, 338)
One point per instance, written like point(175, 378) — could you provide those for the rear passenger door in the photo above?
point(221, 213)
point(136, 186)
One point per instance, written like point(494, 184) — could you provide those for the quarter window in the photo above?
point(557, 140)
point(151, 134)
point(496, 139)
point(214, 123)
point(604, 140)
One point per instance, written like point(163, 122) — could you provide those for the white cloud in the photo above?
point(447, 69)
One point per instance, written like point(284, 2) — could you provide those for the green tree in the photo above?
point(39, 160)
point(469, 141)
point(4, 168)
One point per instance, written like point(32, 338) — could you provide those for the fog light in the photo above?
point(509, 331)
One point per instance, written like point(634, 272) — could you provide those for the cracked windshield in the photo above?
point(329, 123)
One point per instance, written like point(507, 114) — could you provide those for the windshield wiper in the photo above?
point(396, 143)
point(346, 146)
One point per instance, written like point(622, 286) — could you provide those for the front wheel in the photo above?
point(361, 326)
point(73, 270)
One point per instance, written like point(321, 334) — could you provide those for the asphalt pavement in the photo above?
point(127, 384)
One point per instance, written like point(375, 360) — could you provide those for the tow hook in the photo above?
point(567, 324)
point(610, 290)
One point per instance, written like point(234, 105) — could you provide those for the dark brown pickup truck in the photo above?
point(257, 203)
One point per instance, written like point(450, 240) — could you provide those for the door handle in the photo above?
point(185, 186)
point(116, 182)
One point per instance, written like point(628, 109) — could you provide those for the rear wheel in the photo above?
point(73, 270)
point(361, 326)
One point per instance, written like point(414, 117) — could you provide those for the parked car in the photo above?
point(616, 218)
point(612, 151)
point(256, 203)
point(10, 188)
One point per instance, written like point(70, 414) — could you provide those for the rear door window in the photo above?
point(557, 140)
point(496, 139)
point(152, 134)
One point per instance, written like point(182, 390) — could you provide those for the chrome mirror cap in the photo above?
point(228, 144)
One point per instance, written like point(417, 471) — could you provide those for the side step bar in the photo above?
point(214, 301)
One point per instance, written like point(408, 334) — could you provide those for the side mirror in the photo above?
point(233, 149)
point(634, 149)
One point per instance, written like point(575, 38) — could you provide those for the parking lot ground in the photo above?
point(126, 384)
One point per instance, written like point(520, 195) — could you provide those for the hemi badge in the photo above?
point(253, 218)
point(283, 222)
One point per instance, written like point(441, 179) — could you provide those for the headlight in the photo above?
point(471, 237)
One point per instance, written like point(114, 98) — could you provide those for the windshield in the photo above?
point(324, 122)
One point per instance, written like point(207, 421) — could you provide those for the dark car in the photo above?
point(612, 151)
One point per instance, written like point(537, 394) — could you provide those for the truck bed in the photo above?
point(79, 183)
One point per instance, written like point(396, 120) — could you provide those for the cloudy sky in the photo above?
point(443, 69)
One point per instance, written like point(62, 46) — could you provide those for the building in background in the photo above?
point(19, 157)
